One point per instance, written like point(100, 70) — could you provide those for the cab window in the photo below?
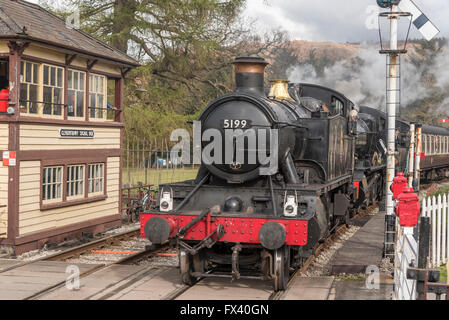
point(338, 106)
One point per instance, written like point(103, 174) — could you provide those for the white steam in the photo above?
point(362, 78)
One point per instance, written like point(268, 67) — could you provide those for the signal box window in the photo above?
point(29, 84)
point(76, 93)
point(52, 184)
point(75, 181)
point(96, 178)
point(97, 97)
point(53, 90)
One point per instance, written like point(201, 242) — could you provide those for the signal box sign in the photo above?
point(76, 134)
point(9, 158)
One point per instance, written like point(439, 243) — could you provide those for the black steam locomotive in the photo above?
point(243, 215)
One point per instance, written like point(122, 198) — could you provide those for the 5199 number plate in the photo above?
point(236, 124)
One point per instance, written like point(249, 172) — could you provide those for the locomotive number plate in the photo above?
point(236, 124)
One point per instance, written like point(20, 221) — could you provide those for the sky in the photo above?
point(336, 20)
point(333, 20)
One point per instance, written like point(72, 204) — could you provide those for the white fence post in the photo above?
point(447, 232)
point(438, 225)
point(434, 233)
point(406, 255)
point(437, 209)
point(444, 233)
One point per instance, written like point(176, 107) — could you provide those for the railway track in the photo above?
point(128, 260)
point(274, 295)
point(101, 246)
point(132, 258)
point(278, 295)
point(81, 249)
point(144, 254)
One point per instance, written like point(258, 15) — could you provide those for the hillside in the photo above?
point(331, 50)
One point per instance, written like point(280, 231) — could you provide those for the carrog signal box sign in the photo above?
point(76, 134)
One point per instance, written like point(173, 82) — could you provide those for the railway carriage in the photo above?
point(435, 153)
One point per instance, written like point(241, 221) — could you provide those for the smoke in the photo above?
point(362, 78)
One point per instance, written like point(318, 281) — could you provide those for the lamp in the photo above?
point(392, 46)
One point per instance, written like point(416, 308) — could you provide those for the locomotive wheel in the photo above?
point(189, 264)
point(281, 268)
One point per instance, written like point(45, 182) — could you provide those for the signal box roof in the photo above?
point(23, 20)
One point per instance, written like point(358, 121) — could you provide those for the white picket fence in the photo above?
point(436, 208)
point(405, 256)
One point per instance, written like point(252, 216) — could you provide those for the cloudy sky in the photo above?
point(333, 20)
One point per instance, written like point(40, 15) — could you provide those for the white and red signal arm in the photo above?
point(444, 120)
point(426, 27)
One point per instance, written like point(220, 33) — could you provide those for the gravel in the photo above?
point(321, 266)
point(37, 254)
point(386, 266)
point(159, 261)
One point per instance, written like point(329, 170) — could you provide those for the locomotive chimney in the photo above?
point(249, 75)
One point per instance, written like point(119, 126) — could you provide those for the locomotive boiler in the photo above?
point(280, 181)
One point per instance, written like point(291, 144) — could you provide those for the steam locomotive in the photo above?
point(245, 217)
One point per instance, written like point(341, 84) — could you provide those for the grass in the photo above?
point(443, 190)
point(353, 277)
point(157, 177)
point(443, 274)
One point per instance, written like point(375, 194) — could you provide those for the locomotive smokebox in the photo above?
point(249, 75)
point(272, 235)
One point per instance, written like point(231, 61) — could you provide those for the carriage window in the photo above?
point(432, 145)
point(424, 144)
point(437, 144)
point(446, 145)
point(430, 140)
